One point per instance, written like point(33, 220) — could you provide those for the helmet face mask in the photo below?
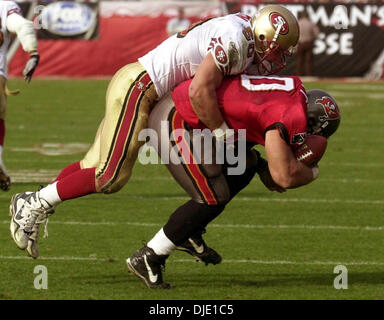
point(273, 60)
point(276, 32)
point(323, 113)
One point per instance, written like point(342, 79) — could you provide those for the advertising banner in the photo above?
point(351, 35)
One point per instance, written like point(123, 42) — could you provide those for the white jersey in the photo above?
point(6, 8)
point(229, 39)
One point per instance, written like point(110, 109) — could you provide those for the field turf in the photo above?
point(274, 246)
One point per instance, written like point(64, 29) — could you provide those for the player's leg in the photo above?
point(209, 192)
point(129, 103)
point(83, 181)
point(182, 225)
point(237, 183)
point(73, 181)
point(91, 159)
point(24, 225)
point(5, 181)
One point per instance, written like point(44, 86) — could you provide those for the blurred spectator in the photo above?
point(178, 24)
point(308, 33)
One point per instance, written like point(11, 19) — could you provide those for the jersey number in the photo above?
point(263, 83)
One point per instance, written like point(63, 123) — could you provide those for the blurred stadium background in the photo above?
point(98, 41)
point(274, 246)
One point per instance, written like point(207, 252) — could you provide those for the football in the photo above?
point(312, 150)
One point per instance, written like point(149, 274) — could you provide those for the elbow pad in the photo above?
point(25, 31)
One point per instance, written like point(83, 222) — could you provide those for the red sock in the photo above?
point(77, 184)
point(2, 131)
point(73, 167)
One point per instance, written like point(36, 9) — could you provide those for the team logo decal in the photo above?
point(278, 20)
point(329, 108)
point(220, 55)
point(140, 85)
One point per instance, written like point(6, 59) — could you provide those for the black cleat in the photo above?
point(5, 180)
point(197, 248)
point(148, 266)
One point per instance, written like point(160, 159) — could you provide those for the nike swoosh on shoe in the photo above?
point(199, 249)
point(152, 277)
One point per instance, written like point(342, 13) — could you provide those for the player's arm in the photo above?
point(202, 94)
point(25, 32)
point(285, 170)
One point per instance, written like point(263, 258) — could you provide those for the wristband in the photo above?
point(220, 132)
point(315, 172)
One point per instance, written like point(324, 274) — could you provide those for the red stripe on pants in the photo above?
point(126, 127)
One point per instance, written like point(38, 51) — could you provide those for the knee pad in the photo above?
point(109, 188)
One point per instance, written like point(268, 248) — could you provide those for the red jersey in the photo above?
point(257, 104)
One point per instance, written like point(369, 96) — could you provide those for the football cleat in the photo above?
point(148, 266)
point(18, 221)
point(5, 180)
point(27, 214)
point(197, 248)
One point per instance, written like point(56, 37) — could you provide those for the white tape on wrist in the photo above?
point(220, 132)
point(315, 172)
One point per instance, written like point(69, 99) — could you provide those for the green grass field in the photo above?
point(274, 246)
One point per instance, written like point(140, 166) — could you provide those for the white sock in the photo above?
point(161, 244)
point(50, 195)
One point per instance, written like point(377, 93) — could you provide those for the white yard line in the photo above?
point(352, 95)
point(46, 176)
point(215, 225)
point(225, 261)
point(240, 198)
point(260, 199)
point(65, 258)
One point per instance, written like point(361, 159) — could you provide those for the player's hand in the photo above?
point(266, 179)
point(31, 66)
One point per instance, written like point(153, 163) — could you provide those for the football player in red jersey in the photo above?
point(277, 113)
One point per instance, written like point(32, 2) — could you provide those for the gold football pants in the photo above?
point(130, 97)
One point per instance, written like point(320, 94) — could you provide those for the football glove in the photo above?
point(31, 66)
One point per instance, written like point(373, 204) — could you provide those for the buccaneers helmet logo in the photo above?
point(278, 20)
point(329, 108)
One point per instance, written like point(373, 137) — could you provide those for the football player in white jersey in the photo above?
point(11, 21)
point(207, 52)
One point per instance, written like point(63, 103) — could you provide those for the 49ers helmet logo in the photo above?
point(329, 107)
point(278, 20)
